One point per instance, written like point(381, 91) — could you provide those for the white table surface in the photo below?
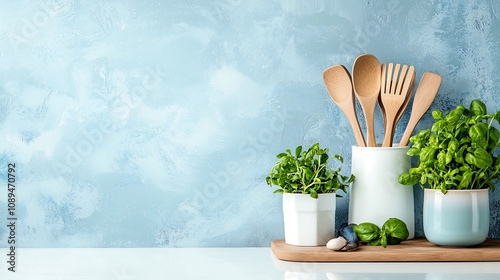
point(217, 263)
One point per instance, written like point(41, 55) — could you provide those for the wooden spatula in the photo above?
point(426, 92)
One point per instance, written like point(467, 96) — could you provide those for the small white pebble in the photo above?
point(336, 244)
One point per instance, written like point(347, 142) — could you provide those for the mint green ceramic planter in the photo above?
point(457, 218)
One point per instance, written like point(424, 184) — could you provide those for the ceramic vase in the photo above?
point(457, 218)
point(375, 195)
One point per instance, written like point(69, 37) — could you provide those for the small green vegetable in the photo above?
point(394, 231)
point(307, 172)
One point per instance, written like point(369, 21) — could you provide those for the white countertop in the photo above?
point(217, 263)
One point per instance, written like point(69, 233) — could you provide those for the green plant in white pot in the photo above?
point(458, 165)
point(309, 186)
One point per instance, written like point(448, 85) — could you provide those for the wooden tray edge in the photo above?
point(416, 250)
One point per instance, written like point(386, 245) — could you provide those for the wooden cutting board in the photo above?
point(415, 250)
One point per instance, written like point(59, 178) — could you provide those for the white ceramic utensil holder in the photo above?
point(375, 194)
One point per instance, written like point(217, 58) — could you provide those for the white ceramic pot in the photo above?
point(457, 218)
point(376, 195)
point(309, 221)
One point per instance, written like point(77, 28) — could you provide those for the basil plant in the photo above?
point(458, 152)
point(307, 172)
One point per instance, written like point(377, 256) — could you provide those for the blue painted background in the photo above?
point(154, 123)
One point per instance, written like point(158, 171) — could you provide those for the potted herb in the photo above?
point(309, 187)
point(458, 164)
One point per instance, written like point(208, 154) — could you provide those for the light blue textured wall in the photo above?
point(154, 123)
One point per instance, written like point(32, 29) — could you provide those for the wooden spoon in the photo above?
point(339, 85)
point(425, 94)
point(393, 95)
point(366, 83)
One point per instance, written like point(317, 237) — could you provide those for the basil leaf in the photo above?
point(480, 158)
point(441, 159)
point(478, 134)
point(413, 151)
point(434, 140)
point(408, 179)
point(439, 125)
point(496, 116)
point(367, 232)
point(452, 149)
point(298, 151)
point(453, 146)
point(494, 137)
point(427, 154)
point(454, 115)
point(396, 228)
point(477, 108)
point(466, 179)
point(313, 193)
point(437, 115)
point(459, 155)
point(281, 155)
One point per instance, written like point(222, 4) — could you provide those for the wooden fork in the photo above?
point(393, 93)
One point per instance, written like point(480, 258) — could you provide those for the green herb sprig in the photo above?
point(394, 231)
point(307, 172)
point(458, 152)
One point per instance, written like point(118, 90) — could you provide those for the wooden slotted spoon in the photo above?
point(393, 94)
